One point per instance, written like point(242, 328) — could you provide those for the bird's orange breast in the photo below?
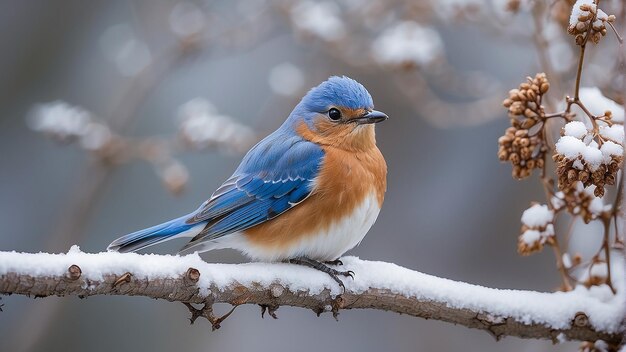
point(346, 178)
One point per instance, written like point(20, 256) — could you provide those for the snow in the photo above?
point(596, 206)
point(567, 260)
point(60, 119)
point(598, 270)
point(578, 165)
point(202, 126)
point(605, 311)
point(538, 215)
point(601, 16)
point(407, 42)
point(609, 149)
point(531, 236)
point(321, 19)
point(570, 147)
point(575, 129)
point(593, 156)
point(614, 133)
point(577, 12)
point(597, 103)
point(558, 200)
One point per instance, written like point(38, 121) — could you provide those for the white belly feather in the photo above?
point(329, 244)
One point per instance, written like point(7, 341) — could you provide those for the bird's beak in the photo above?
point(371, 117)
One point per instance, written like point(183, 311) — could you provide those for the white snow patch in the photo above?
point(596, 206)
point(577, 12)
point(407, 42)
point(575, 129)
point(578, 165)
point(614, 133)
point(610, 148)
point(538, 215)
point(570, 147)
point(597, 103)
point(321, 19)
point(598, 270)
point(558, 200)
point(531, 236)
point(567, 260)
point(593, 156)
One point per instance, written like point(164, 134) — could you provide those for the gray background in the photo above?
point(451, 210)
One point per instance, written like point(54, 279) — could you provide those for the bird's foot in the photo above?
point(334, 274)
point(270, 309)
point(334, 262)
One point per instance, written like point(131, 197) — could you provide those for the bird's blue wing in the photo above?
point(273, 177)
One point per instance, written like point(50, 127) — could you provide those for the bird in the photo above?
point(306, 194)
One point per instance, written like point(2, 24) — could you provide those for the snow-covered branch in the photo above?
point(581, 314)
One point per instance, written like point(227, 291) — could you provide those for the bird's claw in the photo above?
point(271, 310)
point(333, 273)
point(334, 262)
point(349, 273)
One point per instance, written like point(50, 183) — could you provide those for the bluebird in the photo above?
point(305, 194)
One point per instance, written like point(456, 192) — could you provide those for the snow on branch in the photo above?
point(581, 314)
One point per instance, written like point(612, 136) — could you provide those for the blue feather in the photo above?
point(150, 236)
point(275, 172)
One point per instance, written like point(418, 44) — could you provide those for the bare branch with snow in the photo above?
point(581, 314)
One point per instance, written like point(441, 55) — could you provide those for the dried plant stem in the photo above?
point(615, 211)
point(607, 252)
point(619, 38)
point(579, 71)
point(542, 44)
point(554, 243)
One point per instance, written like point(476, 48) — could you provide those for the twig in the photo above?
point(579, 71)
point(607, 251)
point(559, 263)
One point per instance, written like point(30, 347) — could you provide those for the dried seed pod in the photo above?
point(516, 145)
point(537, 229)
point(586, 157)
point(587, 20)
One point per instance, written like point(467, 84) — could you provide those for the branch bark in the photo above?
point(192, 281)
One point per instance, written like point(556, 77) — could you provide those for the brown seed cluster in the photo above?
point(537, 229)
point(572, 171)
point(580, 201)
point(588, 20)
point(525, 150)
point(525, 248)
point(532, 239)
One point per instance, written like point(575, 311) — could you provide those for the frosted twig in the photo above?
point(576, 315)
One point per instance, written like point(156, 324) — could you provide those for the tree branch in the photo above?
point(575, 315)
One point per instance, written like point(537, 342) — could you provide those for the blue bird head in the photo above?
point(335, 112)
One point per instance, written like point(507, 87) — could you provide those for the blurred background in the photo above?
point(116, 115)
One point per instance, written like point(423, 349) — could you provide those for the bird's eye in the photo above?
point(334, 114)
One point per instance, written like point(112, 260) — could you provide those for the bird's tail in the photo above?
point(156, 234)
